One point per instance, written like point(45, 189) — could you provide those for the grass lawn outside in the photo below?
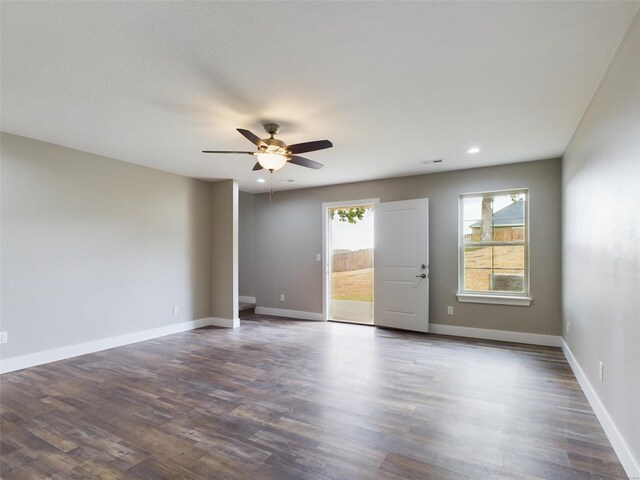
point(357, 285)
point(478, 263)
point(354, 285)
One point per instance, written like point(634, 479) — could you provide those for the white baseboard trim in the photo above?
point(630, 464)
point(245, 299)
point(31, 360)
point(501, 335)
point(224, 322)
point(297, 314)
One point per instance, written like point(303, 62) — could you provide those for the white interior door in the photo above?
point(401, 260)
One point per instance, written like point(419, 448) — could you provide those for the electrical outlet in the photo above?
point(601, 371)
point(282, 297)
point(176, 309)
point(449, 310)
point(318, 257)
point(3, 337)
point(568, 326)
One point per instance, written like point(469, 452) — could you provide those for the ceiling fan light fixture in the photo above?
point(271, 161)
point(273, 154)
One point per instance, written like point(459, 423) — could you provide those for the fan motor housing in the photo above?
point(272, 128)
point(274, 146)
point(274, 142)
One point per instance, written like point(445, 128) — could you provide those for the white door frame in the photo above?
point(326, 231)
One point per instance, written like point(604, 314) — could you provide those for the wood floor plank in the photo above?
point(281, 399)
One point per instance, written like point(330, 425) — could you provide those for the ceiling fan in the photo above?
point(273, 154)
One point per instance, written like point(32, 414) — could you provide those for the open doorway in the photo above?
point(349, 253)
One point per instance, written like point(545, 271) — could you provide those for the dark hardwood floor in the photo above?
point(282, 399)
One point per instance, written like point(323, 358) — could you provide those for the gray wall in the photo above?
point(246, 245)
point(601, 240)
point(289, 234)
point(93, 247)
point(224, 250)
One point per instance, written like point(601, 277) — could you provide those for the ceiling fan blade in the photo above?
point(252, 137)
point(224, 151)
point(309, 146)
point(305, 162)
point(257, 166)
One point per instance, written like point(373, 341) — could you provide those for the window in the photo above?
point(494, 245)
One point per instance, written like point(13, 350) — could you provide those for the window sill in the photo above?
point(494, 299)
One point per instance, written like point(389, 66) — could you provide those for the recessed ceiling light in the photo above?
point(473, 150)
point(261, 180)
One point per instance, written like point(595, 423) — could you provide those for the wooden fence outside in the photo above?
point(499, 234)
point(351, 260)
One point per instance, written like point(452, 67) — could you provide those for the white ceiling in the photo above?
point(390, 83)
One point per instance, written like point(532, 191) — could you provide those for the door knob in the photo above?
point(424, 275)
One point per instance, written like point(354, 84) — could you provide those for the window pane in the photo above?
point(470, 231)
point(477, 279)
point(509, 257)
point(494, 268)
point(494, 218)
point(478, 257)
point(493, 280)
point(502, 201)
point(473, 233)
point(471, 208)
point(498, 206)
point(511, 281)
point(510, 233)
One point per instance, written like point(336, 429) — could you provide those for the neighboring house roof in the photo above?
point(510, 216)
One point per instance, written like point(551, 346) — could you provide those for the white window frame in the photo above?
point(522, 299)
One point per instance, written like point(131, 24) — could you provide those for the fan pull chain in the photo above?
point(270, 185)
